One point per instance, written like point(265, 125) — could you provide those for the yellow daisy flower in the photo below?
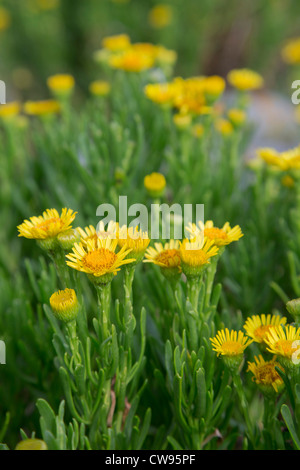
point(245, 79)
point(131, 61)
point(118, 42)
point(48, 225)
point(100, 88)
point(133, 239)
point(220, 236)
point(42, 108)
point(155, 184)
point(161, 93)
point(61, 85)
point(167, 257)
point(284, 341)
point(99, 259)
point(230, 344)
point(9, 110)
point(291, 51)
point(257, 326)
point(195, 254)
point(265, 375)
point(160, 16)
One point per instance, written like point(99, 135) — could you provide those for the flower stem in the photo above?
point(104, 297)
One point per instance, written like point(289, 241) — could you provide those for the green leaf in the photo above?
point(286, 414)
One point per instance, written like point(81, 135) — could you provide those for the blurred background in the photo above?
point(42, 37)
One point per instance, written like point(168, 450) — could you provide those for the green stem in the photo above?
point(193, 290)
point(243, 402)
point(104, 297)
point(74, 342)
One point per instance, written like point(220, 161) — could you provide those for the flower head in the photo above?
point(9, 111)
point(220, 236)
point(42, 108)
point(47, 226)
point(5, 19)
point(133, 239)
point(245, 79)
point(230, 344)
point(61, 85)
point(284, 161)
point(155, 184)
point(160, 16)
point(100, 88)
point(161, 93)
point(98, 259)
point(258, 326)
point(291, 51)
point(118, 42)
point(283, 341)
point(195, 255)
point(131, 60)
point(265, 375)
point(64, 305)
point(167, 257)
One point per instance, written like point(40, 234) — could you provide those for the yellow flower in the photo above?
point(265, 375)
point(5, 19)
point(48, 4)
point(64, 305)
point(220, 236)
point(31, 444)
point(117, 42)
point(9, 111)
point(48, 225)
point(237, 117)
point(224, 126)
point(160, 16)
point(182, 121)
point(155, 184)
point(99, 259)
point(287, 181)
point(100, 88)
point(257, 326)
point(195, 254)
point(160, 93)
point(291, 52)
point(245, 79)
point(61, 85)
point(131, 61)
point(287, 160)
point(214, 86)
point(190, 95)
point(42, 108)
point(283, 341)
point(133, 239)
point(91, 233)
point(167, 257)
point(198, 130)
point(165, 56)
point(230, 344)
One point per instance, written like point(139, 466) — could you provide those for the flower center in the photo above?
point(261, 331)
point(169, 258)
point(285, 346)
point(231, 348)
point(100, 260)
point(45, 225)
point(214, 233)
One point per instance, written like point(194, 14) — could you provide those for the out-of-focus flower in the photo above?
point(182, 121)
point(265, 375)
point(100, 88)
point(31, 444)
point(5, 19)
point(257, 326)
point(160, 16)
point(236, 116)
point(61, 85)
point(9, 111)
point(198, 130)
point(291, 52)
point(116, 43)
point(155, 184)
point(224, 126)
point(47, 4)
point(287, 181)
point(286, 160)
point(64, 305)
point(131, 61)
point(42, 108)
point(245, 79)
point(161, 93)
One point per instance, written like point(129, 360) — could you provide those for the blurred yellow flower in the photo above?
point(291, 52)
point(9, 110)
point(223, 126)
point(245, 79)
point(182, 121)
point(160, 16)
point(265, 374)
point(286, 160)
point(48, 4)
point(155, 184)
point(100, 88)
point(287, 181)
point(5, 19)
point(116, 43)
point(131, 61)
point(61, 85)
point(237, 117)
point(161, 93)
point(42, 108)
